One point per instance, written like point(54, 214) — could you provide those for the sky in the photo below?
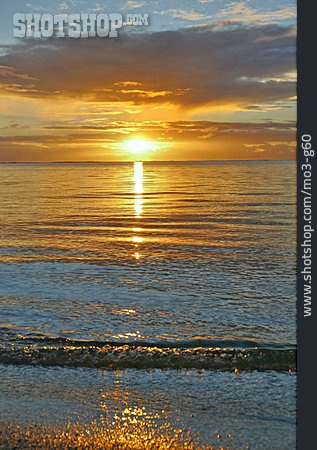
point(206, 79)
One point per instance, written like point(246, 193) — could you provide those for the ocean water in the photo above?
point(177, 279)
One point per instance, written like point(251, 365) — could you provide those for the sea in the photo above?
point(149, 296)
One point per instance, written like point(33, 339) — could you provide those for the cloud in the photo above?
point(37, 8)
point(131, 4)
point(242, 12)
point(191, 16)
point(213, 140)
point(251, 134)
point(194, 67)
point(62, 6)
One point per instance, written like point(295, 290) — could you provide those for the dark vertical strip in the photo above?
point(306, 244)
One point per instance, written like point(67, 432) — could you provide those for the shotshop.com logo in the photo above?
point(73, 25)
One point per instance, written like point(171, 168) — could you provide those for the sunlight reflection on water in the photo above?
point(202, 249)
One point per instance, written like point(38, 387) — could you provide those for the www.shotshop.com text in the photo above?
point(307, 230)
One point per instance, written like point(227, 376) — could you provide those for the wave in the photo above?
point(223, 355)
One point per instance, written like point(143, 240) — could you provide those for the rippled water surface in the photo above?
point(159, 251)
point(173, 259)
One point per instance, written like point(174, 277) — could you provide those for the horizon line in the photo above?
point(146, 161)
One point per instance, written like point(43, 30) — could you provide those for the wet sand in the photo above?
point(132, 434)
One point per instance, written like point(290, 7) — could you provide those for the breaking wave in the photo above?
point(192, 354)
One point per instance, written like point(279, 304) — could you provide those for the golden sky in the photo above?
point(193, 87)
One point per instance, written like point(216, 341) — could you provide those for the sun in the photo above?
point(137, 145)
